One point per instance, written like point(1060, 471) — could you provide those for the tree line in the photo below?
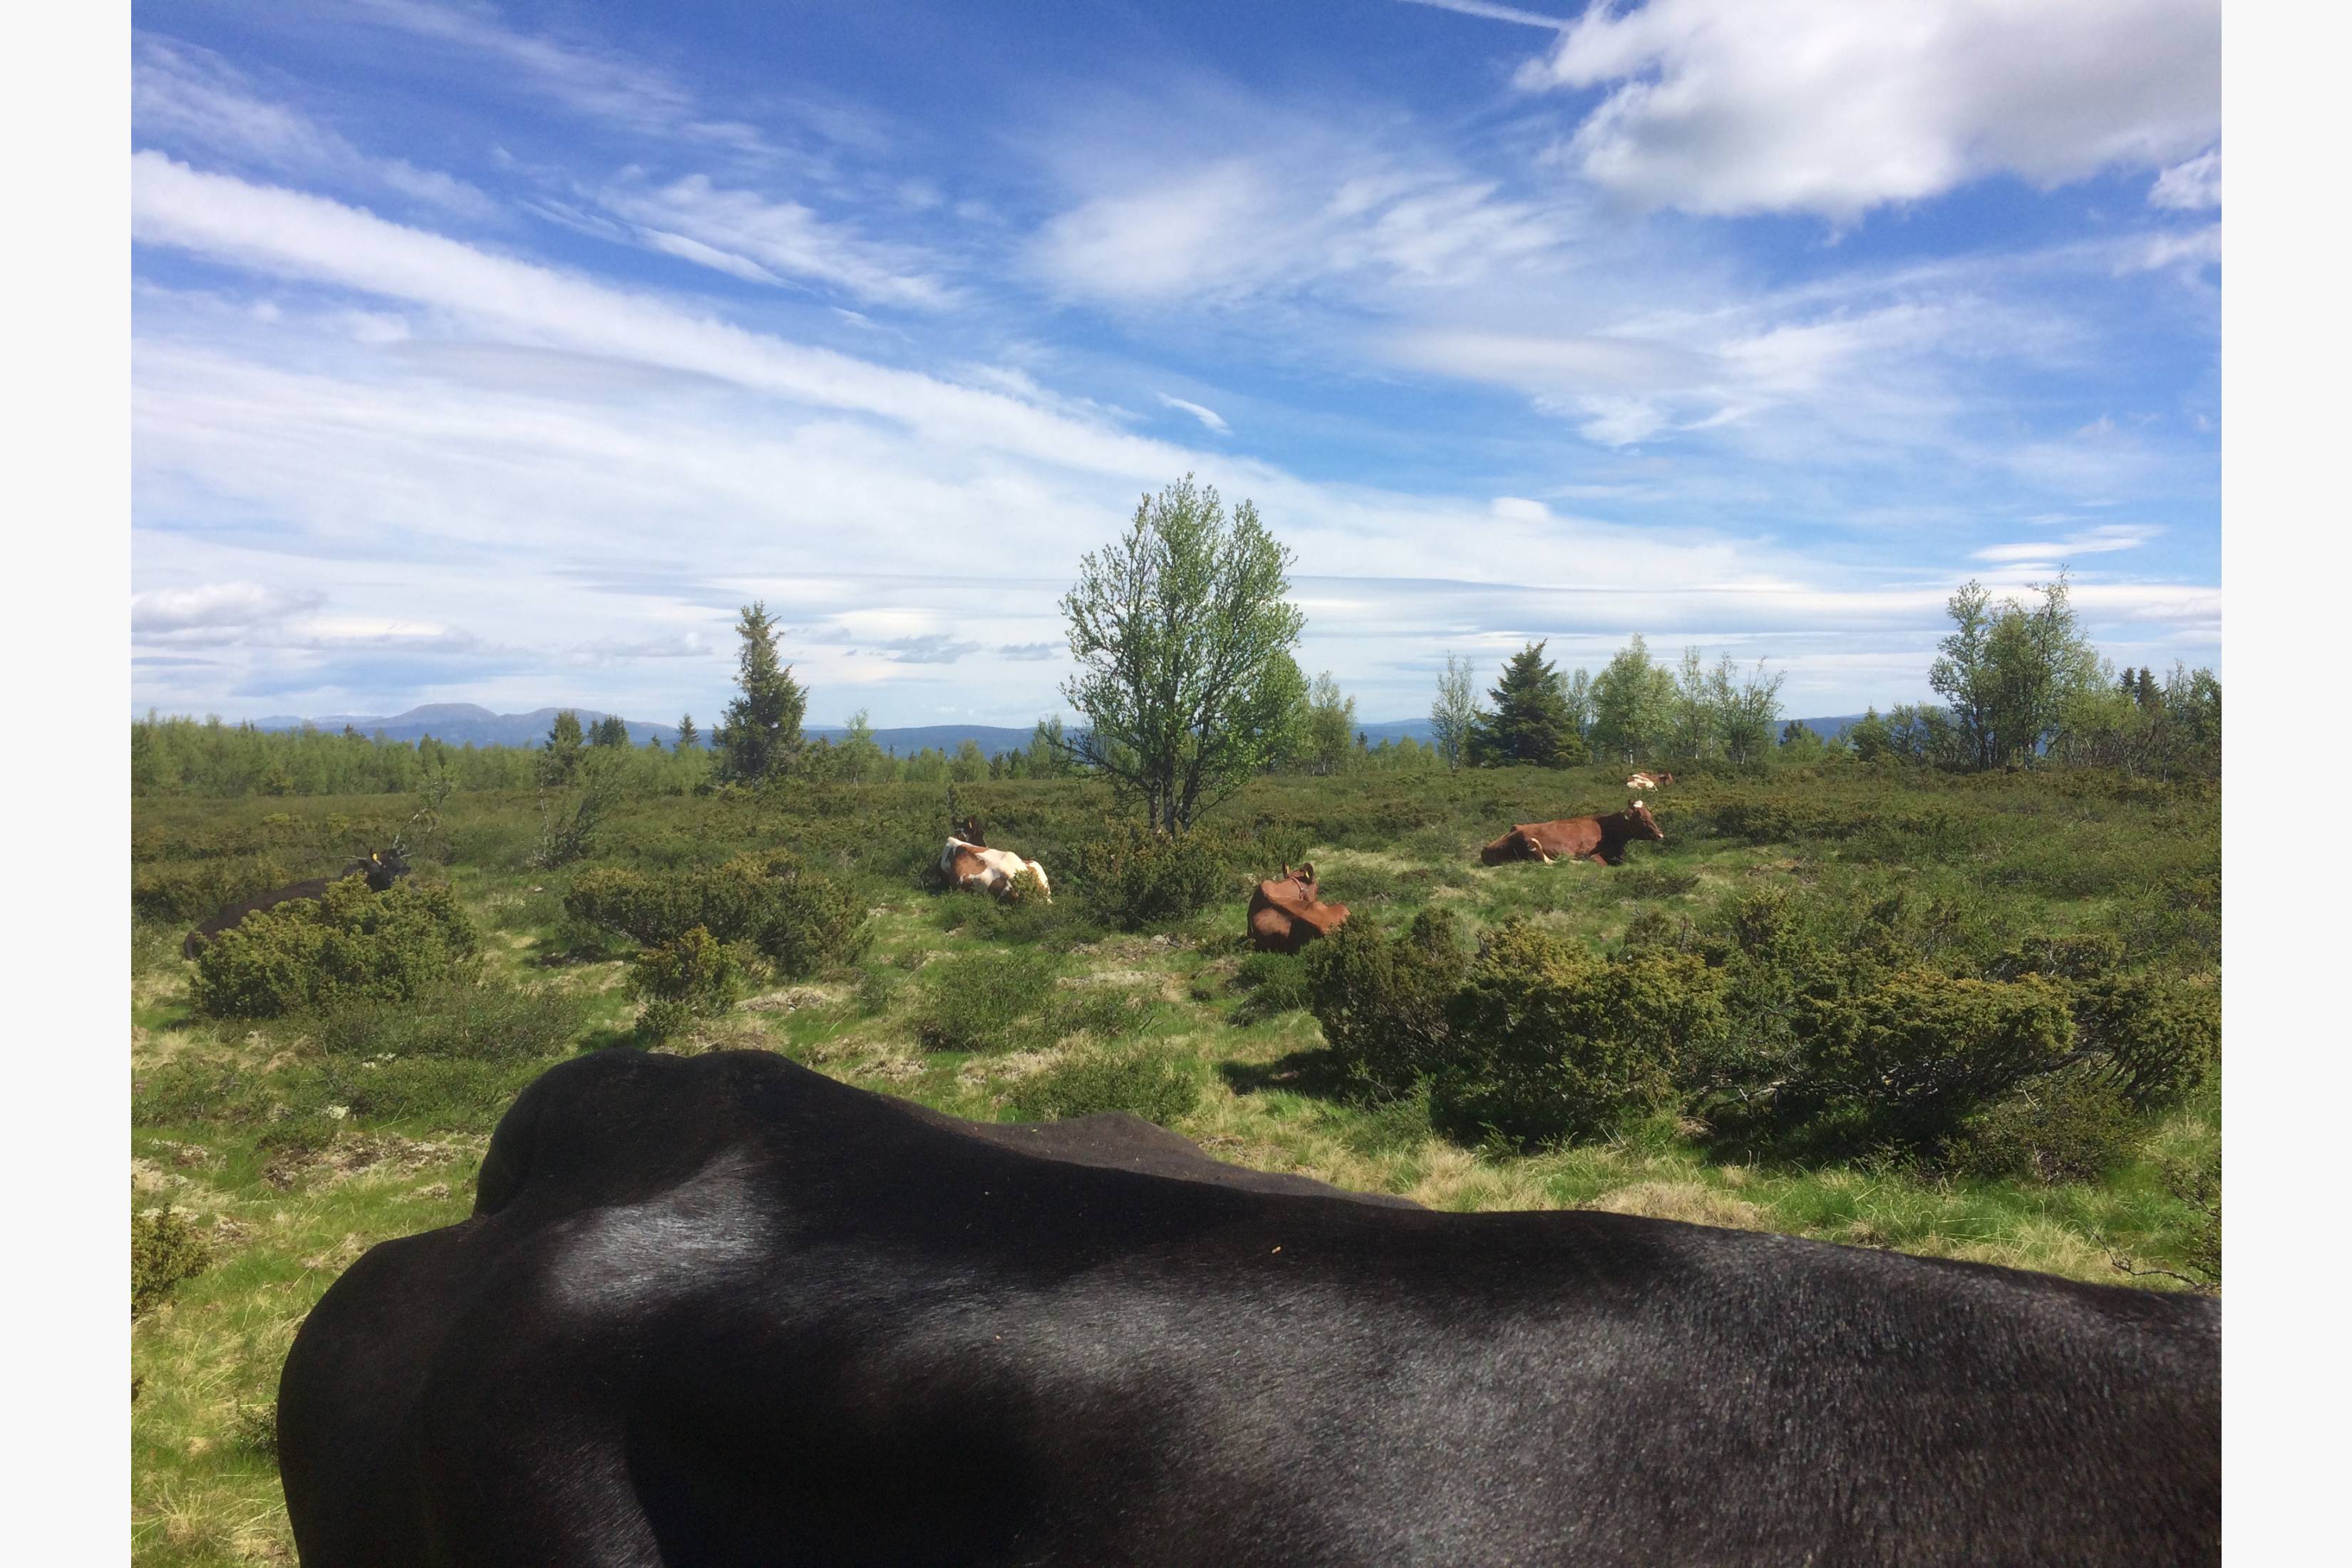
point(1184, 639)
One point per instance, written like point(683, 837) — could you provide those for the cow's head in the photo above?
point(969, 832)
point(1640, 824)
point(1515, 845)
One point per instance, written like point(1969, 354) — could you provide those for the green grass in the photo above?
point(237, 1123)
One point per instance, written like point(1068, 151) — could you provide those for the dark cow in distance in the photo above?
point(724, 1310)
point(382, 869)
point(1600, 838)
point(1288, 912)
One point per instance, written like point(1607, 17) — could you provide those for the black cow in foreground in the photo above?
point(382, 869)
point(727, 1311)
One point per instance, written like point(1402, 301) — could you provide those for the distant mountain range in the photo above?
point(460, 723)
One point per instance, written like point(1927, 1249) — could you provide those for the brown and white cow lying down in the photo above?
point(1288, 912)
point(1649, 781)
point(967, 862)
point(1600, 838)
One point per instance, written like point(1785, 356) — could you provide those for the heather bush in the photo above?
point(691, 975)
point(1131, 877)
point(2072, 1126)
point(166, 1247)
point(984, 1001)
point(1549, 1041)
point(457, 1018)
point(352, 945)
point(2160, 1036)
point(1271, 982)
point(1381, 1002)
point(801, 920)
point(195, 890)
point(1926, 1048)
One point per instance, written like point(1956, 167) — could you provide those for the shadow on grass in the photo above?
point(1313, 1072)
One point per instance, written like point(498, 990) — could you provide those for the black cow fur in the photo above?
point(380, 871)
point(726, 1310)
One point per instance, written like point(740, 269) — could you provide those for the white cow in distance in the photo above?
point(968, 862)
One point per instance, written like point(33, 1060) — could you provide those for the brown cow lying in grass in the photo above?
point(968, 862)
point(1600, 838)
point(1286, 913)
point(382, 869)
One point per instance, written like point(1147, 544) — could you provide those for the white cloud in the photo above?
point(188, 95)
point(208, 612)
point(289, 233)
point(1724, 107)
point(2195, 248)
point(1208, 416)
point(2190, 186)
point(2097, 542)
point(767, 241)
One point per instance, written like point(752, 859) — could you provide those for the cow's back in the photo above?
point(1571, 836)
point(726, 1309)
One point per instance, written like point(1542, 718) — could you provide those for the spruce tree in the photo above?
point(762, 725)
point(1530, 723)
point(687, 733)
point(563, 742)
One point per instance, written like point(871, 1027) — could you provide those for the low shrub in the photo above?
point(1161, 1085)
point(2066, 1127)
point(194, 890)
point(1548, 1041)
point(1925, 1047)
point(692, 975)
point(2160, 1036)
point(1381, 1002)
point(485, 1021)
point(166, 1248)
point(349, 946)
point(252, 1430)
point(1652, 882)
point(2090, 956)
point(981, 1001)
point(1132, 878)
point(800, 919)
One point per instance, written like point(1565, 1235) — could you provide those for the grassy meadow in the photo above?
point(295, 1142)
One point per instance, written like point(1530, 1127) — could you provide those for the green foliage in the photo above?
point(2010, 672)
point(1530, 723)
point(1325, 726)
point(1160, 1084)
point(559, 761)
point(1632, 705)
point(457, 1019)
point(2064, 1127)
point(252, 1430)
point(1548, 1041)
point(693, 975)
point(801, 920)
point(981, 1001)
point(1183, 632)
point(1382, 1002)
point(2160, 1036)
point(197, 889)
point(760, 736)
point(166, 1247)
point(1131, 877)
point(568, 819)
point(1454, 715)
point(1926, 1047)
point(1271, 983)
point(349, 946)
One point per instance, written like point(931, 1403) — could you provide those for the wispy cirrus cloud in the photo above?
point(765, 240)
point(188, 95)
point(1208, 416)
point(2099, 540)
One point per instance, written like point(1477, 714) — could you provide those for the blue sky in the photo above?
point(498, 354)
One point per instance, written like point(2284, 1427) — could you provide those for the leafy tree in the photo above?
point(1632, 701)
point(1868, 736)
point(1744, 710)
point(1576, 693)
point(687, 735)
point(1455, 711)
point(2009, 671)
point(1797, 732)
point(1049, 753)
point(969, 763)
point(762, 733)
point(858, 759)
point(1330, 721)
point(1531, 722)
point(612, 729)
point(1182, 631)
point(561, 758)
